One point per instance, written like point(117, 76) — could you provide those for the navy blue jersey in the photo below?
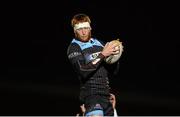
point(88, 63)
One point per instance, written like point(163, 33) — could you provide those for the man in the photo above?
point(87, 55)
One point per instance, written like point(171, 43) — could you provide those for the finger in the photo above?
point(116, 52)
point(106, 44)
point(117, 48)
point(114, 45)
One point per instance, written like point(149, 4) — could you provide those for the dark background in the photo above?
point(37, 78)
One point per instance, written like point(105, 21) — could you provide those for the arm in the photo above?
point(115, 113)
point(78, 61)
point(113, 102)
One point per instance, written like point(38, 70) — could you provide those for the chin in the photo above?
point(85, 39)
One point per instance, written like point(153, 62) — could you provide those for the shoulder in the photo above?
point(101, 41)
point(73, 51)
point(73, 47)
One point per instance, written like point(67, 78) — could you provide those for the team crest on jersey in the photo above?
point(91, 57)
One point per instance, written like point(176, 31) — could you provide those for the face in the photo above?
point(84, 34)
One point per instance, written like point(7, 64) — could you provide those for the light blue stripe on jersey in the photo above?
point(95, 112)
point(84, 45)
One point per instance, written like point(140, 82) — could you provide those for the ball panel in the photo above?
point(114, 58)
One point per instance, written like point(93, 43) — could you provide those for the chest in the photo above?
point(91, 53)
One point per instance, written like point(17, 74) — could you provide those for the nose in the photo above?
point(83, 31)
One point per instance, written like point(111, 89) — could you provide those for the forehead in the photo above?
point(82, 25)
point(87, 28)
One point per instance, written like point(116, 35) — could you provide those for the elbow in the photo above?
point(85, 76)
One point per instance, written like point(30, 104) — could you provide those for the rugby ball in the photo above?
point(114, 58)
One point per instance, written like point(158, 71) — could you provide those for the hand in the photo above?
point(110, 48)
point(113, 100)
point(83, 109)
point(117, 48)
